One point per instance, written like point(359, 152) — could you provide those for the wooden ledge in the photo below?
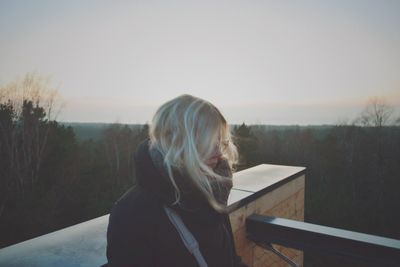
point(257, 181)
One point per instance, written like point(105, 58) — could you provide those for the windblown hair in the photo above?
point(187, 130)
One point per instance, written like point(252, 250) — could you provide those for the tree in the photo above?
point(377, 113)
point(247, 145)
point(119, 144)
point(26, 109)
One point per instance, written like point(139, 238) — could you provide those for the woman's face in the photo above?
point(212, 161)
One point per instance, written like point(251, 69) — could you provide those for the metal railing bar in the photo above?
point(270, 247)
point(369, 249)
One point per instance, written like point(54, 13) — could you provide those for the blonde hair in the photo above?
point(186, 130)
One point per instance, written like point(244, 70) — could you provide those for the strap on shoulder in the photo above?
point(188, 239)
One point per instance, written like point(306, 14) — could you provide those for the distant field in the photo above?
point(85, 131)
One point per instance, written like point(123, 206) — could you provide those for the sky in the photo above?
point(269, 62)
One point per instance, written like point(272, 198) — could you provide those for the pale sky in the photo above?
point(272, 62)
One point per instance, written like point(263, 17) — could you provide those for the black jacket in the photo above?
point(140, 233)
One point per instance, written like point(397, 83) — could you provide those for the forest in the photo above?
point(53, 174)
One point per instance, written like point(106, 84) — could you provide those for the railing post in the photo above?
point(273, 190)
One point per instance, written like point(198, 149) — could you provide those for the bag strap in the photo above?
point(186, 236)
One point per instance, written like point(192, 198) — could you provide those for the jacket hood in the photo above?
point(150, 178)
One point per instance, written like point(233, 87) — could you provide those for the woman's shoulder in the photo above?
point(131, 228)
point(135, 206)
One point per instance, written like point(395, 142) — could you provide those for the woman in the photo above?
point(184, 169)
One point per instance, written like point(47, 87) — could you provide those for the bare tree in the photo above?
point(27, 106)
point(119, 144)
point(32, 88)
point(377, 113)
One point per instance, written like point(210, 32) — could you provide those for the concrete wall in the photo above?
point(81, 245)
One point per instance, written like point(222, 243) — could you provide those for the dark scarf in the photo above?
point(191, 197)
